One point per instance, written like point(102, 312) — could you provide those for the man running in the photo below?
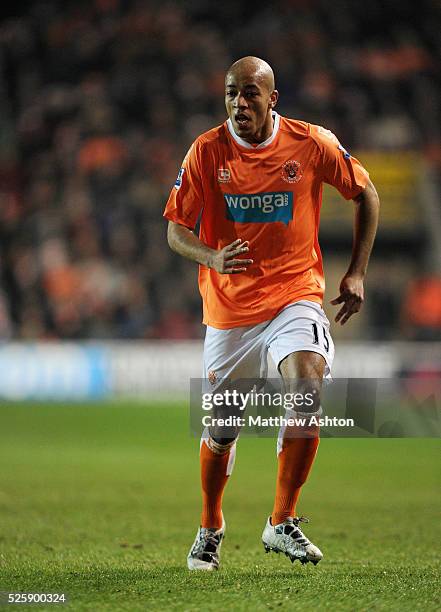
point(255, 185)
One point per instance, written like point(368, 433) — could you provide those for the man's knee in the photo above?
point(302, 374)
point(303, 365)
point(220, 446)
point(224, 441)
point(225, 435)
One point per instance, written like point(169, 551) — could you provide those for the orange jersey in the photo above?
point(270, 195)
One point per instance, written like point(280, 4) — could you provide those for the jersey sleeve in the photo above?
point(186, 198)
point(336, 166)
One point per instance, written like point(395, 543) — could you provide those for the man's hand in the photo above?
point(351, 296)
point(182, 240)
point(225, 262)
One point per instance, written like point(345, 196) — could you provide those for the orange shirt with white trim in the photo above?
point(270, 195)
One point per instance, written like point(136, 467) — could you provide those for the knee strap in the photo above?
point(219, 446)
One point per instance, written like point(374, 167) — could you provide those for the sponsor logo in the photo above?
point(291, 171)
point(178, 182)
point(223, 175)
point(259, 207)
point(346, 155)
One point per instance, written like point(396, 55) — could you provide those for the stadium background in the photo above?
point(99, 103)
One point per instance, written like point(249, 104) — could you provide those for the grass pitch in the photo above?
point(101, 502)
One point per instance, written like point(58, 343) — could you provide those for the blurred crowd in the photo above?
point(100, 100)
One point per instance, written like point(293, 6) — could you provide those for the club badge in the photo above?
point(291, 171)
point(223, 175)
point(212, 377)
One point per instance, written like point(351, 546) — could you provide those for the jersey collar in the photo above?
point(261, 145)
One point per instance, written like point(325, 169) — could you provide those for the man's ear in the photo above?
point(274, 96)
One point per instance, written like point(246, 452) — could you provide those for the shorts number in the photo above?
point(315, 333)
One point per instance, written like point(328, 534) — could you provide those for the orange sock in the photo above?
point(295, 462)
point(214, 466)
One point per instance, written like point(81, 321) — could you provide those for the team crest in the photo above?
point(212, 377)
point(223, 175)
point(291, 171)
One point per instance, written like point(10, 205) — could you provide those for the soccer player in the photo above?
point(255, 185)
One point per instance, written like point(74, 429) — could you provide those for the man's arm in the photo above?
point(367, 206)
point(183, 241)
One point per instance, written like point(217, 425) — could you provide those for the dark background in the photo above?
point(100, 101)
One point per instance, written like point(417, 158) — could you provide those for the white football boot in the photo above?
point(205, 552)
point(288, 538)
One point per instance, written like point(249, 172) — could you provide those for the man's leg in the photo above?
point(217, 461)
point(229, 355)
point(231, 359)
point(217, 457)
point(302, 372)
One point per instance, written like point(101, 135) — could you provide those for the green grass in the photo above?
point(102, 503)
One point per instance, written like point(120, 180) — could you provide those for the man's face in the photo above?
point(249, 102)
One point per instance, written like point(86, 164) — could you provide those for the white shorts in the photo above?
point(242, 352)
